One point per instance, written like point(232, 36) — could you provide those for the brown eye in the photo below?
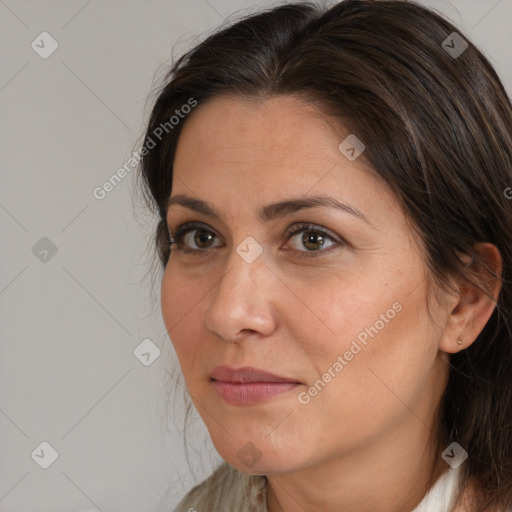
point(312, 239)
point(202, 238)
point(193, 238)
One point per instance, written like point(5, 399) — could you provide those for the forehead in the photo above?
point(275, 133)
point(270, 149)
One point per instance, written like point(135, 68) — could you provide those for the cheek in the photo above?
point(181, 304)
point(379, 358)
point(347, 311)
point(377, 325)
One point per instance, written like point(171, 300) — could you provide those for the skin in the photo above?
point(365, 442)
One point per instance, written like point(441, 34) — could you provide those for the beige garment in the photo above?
point(229, 490)
point(226, 490)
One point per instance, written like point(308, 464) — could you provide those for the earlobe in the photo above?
point(475, 304)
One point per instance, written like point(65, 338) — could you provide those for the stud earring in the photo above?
point(459, 340)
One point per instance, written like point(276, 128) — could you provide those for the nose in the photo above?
point(242, 301)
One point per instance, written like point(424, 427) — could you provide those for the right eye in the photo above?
point(193, 238)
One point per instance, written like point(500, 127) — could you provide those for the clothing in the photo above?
point(229, 490)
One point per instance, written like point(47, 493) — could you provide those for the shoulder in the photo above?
point(228, 490)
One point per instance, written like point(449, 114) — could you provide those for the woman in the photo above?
point(333, 192)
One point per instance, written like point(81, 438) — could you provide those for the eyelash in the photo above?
point(183, 229)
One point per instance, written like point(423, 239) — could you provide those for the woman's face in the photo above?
point(331, 299)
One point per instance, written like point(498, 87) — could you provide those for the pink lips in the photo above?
point(247, 386)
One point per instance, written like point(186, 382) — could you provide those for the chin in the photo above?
point(255, 459)
point(262, 467)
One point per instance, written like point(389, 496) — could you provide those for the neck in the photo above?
point(393, 473)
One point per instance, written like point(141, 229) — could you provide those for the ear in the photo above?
point(472, 308)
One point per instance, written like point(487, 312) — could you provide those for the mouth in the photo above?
point(248, 386)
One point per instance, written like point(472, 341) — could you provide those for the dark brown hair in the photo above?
point(437, 129)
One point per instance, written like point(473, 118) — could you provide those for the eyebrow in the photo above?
point(271, 211)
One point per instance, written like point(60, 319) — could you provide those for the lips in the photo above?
point(249, 386)
point(246, 375)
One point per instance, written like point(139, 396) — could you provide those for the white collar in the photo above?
point(442, 496)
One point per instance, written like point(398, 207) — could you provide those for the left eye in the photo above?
point(313, 239)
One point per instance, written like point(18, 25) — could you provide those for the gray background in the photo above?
point(70, 321)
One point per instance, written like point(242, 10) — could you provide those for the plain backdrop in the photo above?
point(76, 294)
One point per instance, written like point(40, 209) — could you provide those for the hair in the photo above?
point(438, 130)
